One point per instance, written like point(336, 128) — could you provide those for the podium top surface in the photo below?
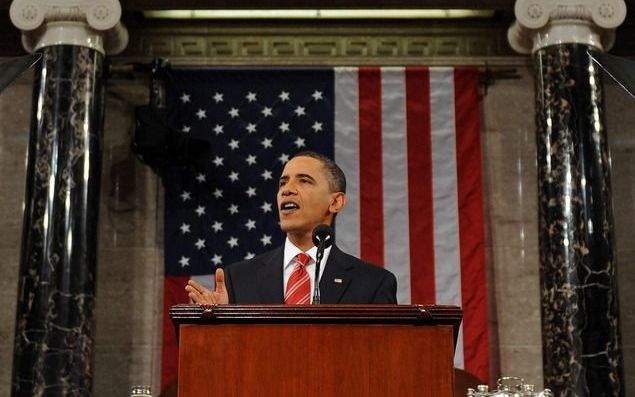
point(317, 314)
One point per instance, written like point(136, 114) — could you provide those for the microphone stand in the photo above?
point(316, 283)
point(322, 238)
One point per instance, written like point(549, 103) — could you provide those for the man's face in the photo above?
point(304, 197)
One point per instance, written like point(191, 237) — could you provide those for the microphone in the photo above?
point(322, 239)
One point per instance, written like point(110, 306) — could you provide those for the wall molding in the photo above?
point(315, 44)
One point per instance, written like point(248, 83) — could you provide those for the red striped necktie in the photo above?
point(299, 284)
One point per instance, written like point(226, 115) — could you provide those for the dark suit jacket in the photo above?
point(259, 280)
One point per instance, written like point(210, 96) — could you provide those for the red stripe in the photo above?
point(370, 166)
point(472, 240)
point(173, 293)
point(420, 202)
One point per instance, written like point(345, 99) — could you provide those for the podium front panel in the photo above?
point(316, 360)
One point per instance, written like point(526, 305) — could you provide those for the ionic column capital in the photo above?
point(89, 23)
point(540, 23)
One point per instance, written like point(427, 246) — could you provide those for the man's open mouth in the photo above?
point(288, 207)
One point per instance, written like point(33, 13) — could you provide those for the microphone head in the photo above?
point(323, 234)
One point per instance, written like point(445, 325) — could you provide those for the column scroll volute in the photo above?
point(91, 23)
point(540, 23)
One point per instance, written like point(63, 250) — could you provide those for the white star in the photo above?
point(284, 96)
point(185, 98)
point(218, 129)
point(233, 242)
point(217, 226)
point(218, 161)
point(299, 142)
point(251, 224)
point(185, 195)
point(233, 112)
point(251, 96)
point(185, 228)
point(184, 261)
point(266, 111)
point(217, 259)
point(266, 240)
point(218, 97)
point(251, 128)
point(283, 158)
point(284, 127)
point(251, 191)
point(317, 126)
point(299, 111)
point(233, 209)
point(266, 207)
point(233, 176)
point(200, 210)
point(233, 144)
point(200, 178)
point(266, 174)
point(186, 128)
point(249, 255)
point(218, 193)
point(200, 244)
point(251, 159)
point(317, 95)
point(201, 114)
point(266, 143)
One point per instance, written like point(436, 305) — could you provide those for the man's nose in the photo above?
point(288, 189)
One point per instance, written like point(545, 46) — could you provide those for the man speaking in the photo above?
point(311, 192)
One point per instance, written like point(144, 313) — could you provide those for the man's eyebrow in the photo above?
point(287, 177)
point(305, 176)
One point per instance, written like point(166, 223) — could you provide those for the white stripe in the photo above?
point(395, 178)
point(347, 156)
point(459, 361)
point(445, 199)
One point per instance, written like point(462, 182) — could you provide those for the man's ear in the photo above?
point(338, 202)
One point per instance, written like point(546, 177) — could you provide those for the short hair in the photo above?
point(334, 174)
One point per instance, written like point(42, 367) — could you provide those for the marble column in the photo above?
point(580, 330)
point(53, 353)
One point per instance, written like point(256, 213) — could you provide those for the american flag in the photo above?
point(408, 141)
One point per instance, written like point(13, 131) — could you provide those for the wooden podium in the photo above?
point(316, 350)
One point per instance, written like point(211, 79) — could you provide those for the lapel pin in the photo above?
point(338, 281)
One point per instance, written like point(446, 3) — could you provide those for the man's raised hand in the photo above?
point(201, 295)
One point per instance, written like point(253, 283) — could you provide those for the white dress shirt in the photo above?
point(290, 252)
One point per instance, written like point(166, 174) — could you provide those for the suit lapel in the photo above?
point(270, 278)
point(336, 277)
